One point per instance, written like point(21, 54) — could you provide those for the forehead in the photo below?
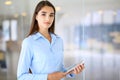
point(47, 9)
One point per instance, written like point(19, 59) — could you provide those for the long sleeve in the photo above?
point(24, 63)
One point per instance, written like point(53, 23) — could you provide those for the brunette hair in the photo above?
point(34, 25)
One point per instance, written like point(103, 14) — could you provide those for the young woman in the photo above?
point(41, 56)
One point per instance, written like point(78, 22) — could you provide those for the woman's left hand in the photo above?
point(78, 69)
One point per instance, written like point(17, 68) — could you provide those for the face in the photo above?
point(45, 17)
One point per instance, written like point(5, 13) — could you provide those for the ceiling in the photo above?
point(27, 6)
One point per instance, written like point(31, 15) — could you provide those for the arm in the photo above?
point(25, 62)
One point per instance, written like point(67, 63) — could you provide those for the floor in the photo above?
point(97, 66)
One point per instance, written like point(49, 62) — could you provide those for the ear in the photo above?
point(36, 17)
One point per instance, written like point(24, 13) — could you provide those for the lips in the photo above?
point(46, 22)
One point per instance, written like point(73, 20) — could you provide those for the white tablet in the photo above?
point(71, 68)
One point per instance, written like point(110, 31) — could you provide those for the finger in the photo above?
point(77, 70)
point(74, 71)
point(83, 66)
point(80, 68)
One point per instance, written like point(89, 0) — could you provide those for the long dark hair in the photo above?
point(34, 25)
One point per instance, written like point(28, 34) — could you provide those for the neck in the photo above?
point(46, 34)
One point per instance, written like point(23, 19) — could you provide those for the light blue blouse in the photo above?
point(41, 56)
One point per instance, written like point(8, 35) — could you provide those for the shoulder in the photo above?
point(27, 40)
point(58, 38)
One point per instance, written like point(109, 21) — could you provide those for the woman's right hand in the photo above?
point(56, 76)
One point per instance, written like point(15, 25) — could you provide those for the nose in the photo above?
point(47, 18)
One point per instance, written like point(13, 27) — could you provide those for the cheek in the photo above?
point(52, 19)
point(39, 20)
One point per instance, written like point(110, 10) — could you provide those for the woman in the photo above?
point(41, 55)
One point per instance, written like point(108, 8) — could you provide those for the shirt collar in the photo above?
point(39, 35)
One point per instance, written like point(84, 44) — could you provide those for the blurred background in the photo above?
point(90, 30)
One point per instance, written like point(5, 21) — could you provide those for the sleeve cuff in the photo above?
point(71, 75)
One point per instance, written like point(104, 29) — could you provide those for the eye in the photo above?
point(43, 14)
point(52, 15)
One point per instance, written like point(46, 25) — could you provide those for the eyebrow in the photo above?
point(46, 12)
